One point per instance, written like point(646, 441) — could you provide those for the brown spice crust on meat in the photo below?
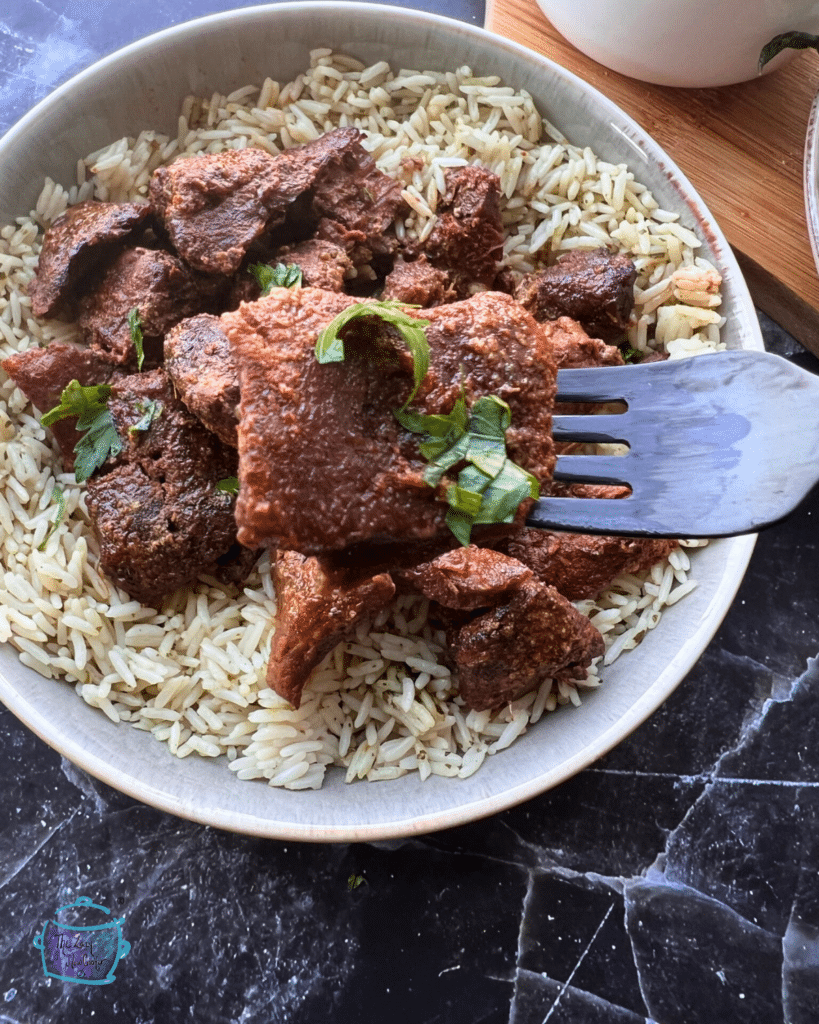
point(323, 462)
point(84, 234)
point(581, 565)
point(506, 652)
point(199, 363)
point(316, 608)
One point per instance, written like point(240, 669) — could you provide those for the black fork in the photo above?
point(719, 445)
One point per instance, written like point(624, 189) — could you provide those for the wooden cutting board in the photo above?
point(741, 146)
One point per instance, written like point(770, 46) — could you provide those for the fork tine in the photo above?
point(718, 445)
point(592, 429)
point(604, 469)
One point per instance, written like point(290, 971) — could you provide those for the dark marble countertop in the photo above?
point(674, 881)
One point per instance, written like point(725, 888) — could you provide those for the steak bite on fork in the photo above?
point(323, 462)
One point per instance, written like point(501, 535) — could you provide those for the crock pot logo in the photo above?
point(83, 953)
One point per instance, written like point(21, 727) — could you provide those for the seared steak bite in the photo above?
point(199, 363)
point(537, 634)
point(468, 234)
point(465, 578)
point(573, 348)
point(213, 207)
point(593, 286)
point(75, 242)
point(323, 461)
point(156, 284)
point(419, 284)
point(322, 264)
point(43, 373)
point(316, 608)
point(354, 202)
point(580, 565)
point(157, 512)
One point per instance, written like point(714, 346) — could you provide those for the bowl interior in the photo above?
point(143, 86)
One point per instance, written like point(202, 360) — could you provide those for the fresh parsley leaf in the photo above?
point(79, 401)
point(58, 496)
point(100, 440)
point(135, 325)
point(330, 345)
point(150, 411)
point(354, 881)
point(280, 276)
point(90, 406)
point(631, 355)
point(230, 485)
point(785, 41)
point(490, 487)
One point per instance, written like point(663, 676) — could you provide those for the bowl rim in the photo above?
point(810, 179)
point(147, 790)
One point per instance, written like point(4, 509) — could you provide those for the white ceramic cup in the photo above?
point(695, 43)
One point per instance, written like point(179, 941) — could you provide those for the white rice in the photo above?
point(192, 673)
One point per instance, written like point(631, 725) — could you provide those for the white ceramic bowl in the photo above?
point(143, 85)
point(693, 43)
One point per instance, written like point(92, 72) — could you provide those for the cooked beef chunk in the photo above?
point(466, 578)
point(419, 284)
point(580, 565)
point(468, 234)
point(42, 373)
point(323, 461)
point(213, 207)
point(323, 264)
point(155, 283)
point(199, 363)
point(75, 242)
point(156, 510)
point(316, 608)
point(593, 286)
point(354, 202)
point(573, 348)
point(508, 651)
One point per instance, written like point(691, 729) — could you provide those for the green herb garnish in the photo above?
point(90, 406)
point(787, 41)
point(280, 276)
point(490, 487)
point(57, 495)
point(150, 411)
point(230, 485)
point(330, 345)
point(631, 355)
point(135, 326)
point(354, 881)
